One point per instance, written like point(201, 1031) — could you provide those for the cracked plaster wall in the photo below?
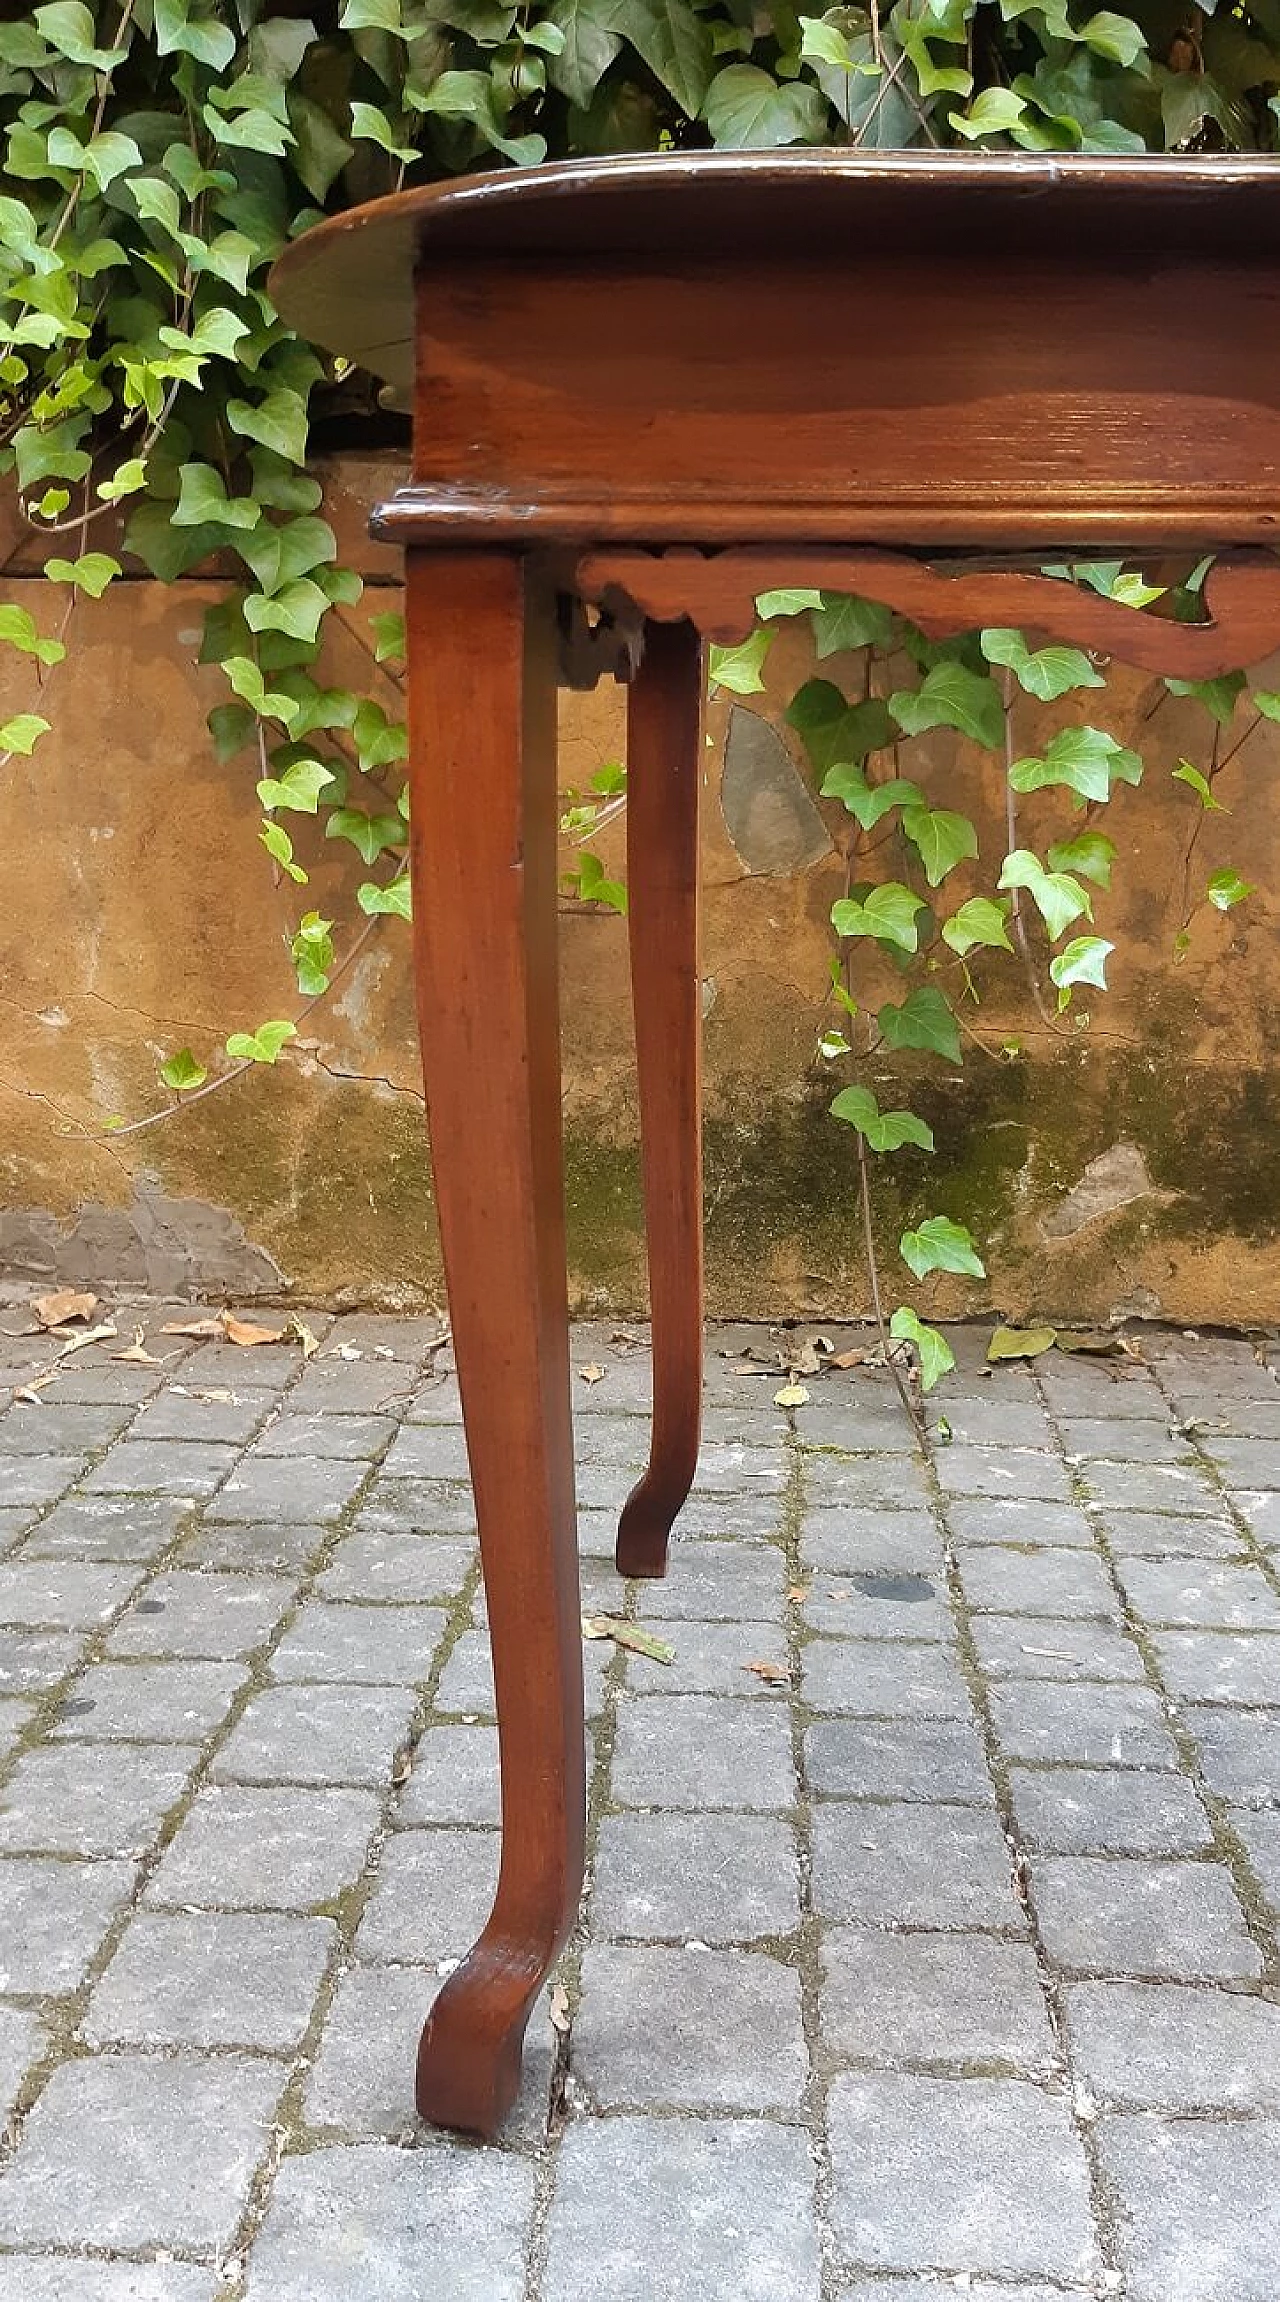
point(1132, 1166)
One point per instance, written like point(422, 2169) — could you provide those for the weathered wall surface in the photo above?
point(1131, 1165)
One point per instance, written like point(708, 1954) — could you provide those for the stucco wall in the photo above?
point(1133, 1165)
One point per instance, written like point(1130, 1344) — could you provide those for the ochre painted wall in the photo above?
point(1133, 1165)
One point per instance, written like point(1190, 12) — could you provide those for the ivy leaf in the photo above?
point(262, 1045)
point(18, 629)
point(246, 680)
point(995, 113)
point(889, 914)
point(178, 29)
point(23, 732)
point(1117, 38)
point(1266, 702)
point(370, 125)
point(1090, 853)
point(395, 898)
point(368, 834)
point(746, 109)
point(1084, 759)
point(279, 421)
point(278, 552)
point(91, 573)
point(589, 48)
point(792, 602)
point(834, 731)
point(388, 636)
point(298, 788)
point(941, 1245)
point(739, 668)
point(923, 1020)
point(843, 622)
point(1184, 772)
point(936, 1355)
point(591, 884)
point(379, 741)
point(951, 696)
point(1083, 960)
point(1217, 695)
point(183, 1072)
point(68, 26)
point(978, 922)
point(674, 43)
point(1048, 673)
point(312, 954)
point(869, 801)
point(942, 839)
point(279, 847)
point(1057, 896)
point(296, 610)
point(125, 480)
point(880, 1130)
point(1224, 890)
point(203, 501)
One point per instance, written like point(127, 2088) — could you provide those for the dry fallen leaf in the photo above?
point(298, 1332)
point(806, 1359)
point(137, 1352)
point(56, 1310)
point(593, 1374)
point(797, 1594)
point(558, 2009)
point(30, 1392)
point(848, 1358)
point(245, 1334)
point(773, 1674)
point(210, 1398)
point(199, 1327)
point(627, 1635)
point(104, 1334)
point(791, 1395)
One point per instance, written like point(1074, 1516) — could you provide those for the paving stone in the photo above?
point(342, 1387)
point(128, 2151)
point(14, 1524)
point(709, 1658)
point(879, 1606)
point(53, 1916)
point(396, 1568)
point(986, 1519)
point(712, 1878)
point(996, 1422)
point(1161, 1535)
point(220, 1366)
point(1121, 1440)
point(865, 1482)
point(223, 1978)
point(92, 1798)
point(1253, 1463)
point(362, 2083)
point(59, 1430)
point(63, 2278)
point(343, 1438)
point(701, 2211)
point(1168, 1591)
point(707, 2029)
point(431, 1895)
point(416, 1507)
point(31, 1661)
point(717, 1582)
point(1037, 1582)
point(391, 1337)
point(1118, 1726)
point(179, 1413)
point(898, 1758)
point(878, 1678)
point(1081, 1390)
point(16, 1715)
point(962, 2002)
point(876, 1427)
point(1220, 1666)
point(428, 1451)
point(23, 2040)
point(35, 1479)
point(455, 1778)
point(1262, 1513)
point(844, 1540)
point(435, 1401)
point(930, 1866)
point(1086, 1810)
point(1261, 1836)
point(1053, 1647)
point(149, 1702)
point(945, 2290)
point(272, 1486)
point(1239, 1753)
point(187, 1613)
point(728, 1517)
point(61, 1594)
point(107, 1383)
point(971, 2174)
point(1119, 1916)
point(267, 1849)
point(368, 2224)
point(697, 1752)
point(318, 1734)
point(1003, 1472)
point(252, 1550)
point(466, 1682)
point(379, 1646)
point(1165, 2046)
point(161, 1467)
point(1199, 2207)
point(85, 1527)
point(1152, 1487)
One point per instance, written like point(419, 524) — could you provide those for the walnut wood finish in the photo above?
point(483, 819)
point(664, 773)
point(660, 385)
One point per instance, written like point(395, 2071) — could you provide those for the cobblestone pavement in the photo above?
point(929, 1944)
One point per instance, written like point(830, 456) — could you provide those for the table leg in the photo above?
point(664, 775)
point(483, 833)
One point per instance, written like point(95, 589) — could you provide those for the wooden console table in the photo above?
point(644, 390)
